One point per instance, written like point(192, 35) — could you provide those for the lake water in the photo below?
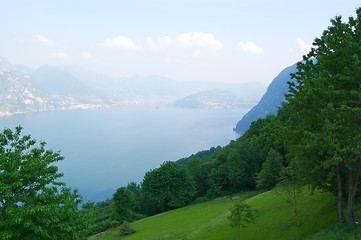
point(107, 148)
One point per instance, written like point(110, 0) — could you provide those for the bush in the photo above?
point(126, 229)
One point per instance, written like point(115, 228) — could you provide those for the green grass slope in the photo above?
point(209, 220)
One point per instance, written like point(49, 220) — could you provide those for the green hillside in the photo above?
point(208, 220)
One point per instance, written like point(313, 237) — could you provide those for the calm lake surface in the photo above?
point(107, 148)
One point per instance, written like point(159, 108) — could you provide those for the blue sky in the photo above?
point(213, 40)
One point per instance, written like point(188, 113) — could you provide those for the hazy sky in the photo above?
point(217, 40)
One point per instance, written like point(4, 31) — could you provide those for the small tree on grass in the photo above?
point(241, 216)
point(291, 187)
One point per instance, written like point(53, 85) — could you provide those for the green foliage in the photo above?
point(203, 155)
point(135, 193)
point(32, 204)
point(234, 167)
point(122, 208)
point(167, 187)
point(291, 189)
point(127, 203)
point(125, 229)
point(271, 169)
point(199, 172)
point(242, 159)
point(238, 167)
point(217, 180)
point(99, 216)
point(114, 223)
point(323, 132)
point(337, 232)
point(241, 216)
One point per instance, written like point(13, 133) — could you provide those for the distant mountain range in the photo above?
point(270, 101)
point(60, 88)
point(213, 99)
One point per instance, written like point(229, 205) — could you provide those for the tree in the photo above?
point(167, 187)
point(127, 203)
point(135, 198)
point(122, 204)
point(324, 102)
point(32, 204)
point(270, 172)
point(291, 189)
point(99, 216)
point(199, 173)
point(237, 169)
point(241, 216)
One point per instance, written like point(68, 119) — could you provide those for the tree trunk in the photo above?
point(298, 220)
point(239, 233)
point(353, 179)
point(358, 168)
point(350, 200)
point(339, 192)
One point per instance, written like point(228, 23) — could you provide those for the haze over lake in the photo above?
point(107, 148)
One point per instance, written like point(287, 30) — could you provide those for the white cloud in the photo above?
point(198, 39)
point(249, 47)
point(60, 55)
point(87, 55)
point(186, 40)
point(160, 43)
point(304, 46)
point(119, 42)
point(44, 40)
point(197, 53)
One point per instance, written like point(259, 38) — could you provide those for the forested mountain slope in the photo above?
point(270, 101)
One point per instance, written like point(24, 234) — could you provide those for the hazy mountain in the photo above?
point(212, 99)
point(20, 92)
point(47, 88)
point(161, 88)
point(270, 101)
point(56, 81)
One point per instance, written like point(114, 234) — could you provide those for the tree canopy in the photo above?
point(127, 203)
point(323, 133)
point(32, 204)
point(270, 172)
point(241, 216)
point(167, 187)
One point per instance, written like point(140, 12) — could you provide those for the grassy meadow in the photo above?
point(208, 220)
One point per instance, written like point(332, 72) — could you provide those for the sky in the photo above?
point(185, 40)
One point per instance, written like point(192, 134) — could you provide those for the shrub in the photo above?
point(126, 229)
